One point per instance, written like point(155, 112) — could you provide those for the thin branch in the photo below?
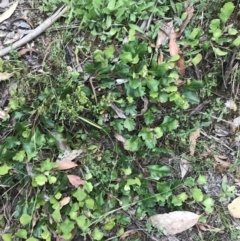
point(37, 31)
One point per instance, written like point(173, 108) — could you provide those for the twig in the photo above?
point(215, 139)
point(93, 89)
point(37, 31)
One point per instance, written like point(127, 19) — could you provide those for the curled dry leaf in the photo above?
point(173, 47)
point(174, 222)
point(221, 162)
point(118, 111)
point(234, 208)
point(189, 11)
point(8, 12)
point(2, 114)
point(193, 141)
point(65, 165)
point(181, 65)
point(119, 137)
point(76, 181)
point(164, 32)
point(71, 155)
point(64, 201)
point(24, 51)
point(5, 76)
point(184, 167)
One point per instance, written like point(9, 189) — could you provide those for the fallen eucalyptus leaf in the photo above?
point(76, 181)
point(174, 222)
point(8, 12)
point(234, 208)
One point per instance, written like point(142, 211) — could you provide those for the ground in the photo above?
point(118, 111)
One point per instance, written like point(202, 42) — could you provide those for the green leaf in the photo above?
point(214, 25)
point(109, 52)
point(7, 237)
point(32, 239)
point(4, 169)
point(30, 149)
point(136, 27)
point(148, 137)
point(189, 182)
point(129, 124)
point(90, 203)
point(182, 196)
point(88, 186)
point(67, 226)
point(109, 225)
point(158, 131)
point(194, 33)
point(197, 194)
point(219, 52)
point(158, 171)
point(148, 117)
point(81, 221)
point(208, 202)
point(52, 179)
point(46, 235)
point(176, 201)
point(226, 11)
point(133, 144)
point(126, 57)
point(19, 156)
point(25, 219)
point(202, 180)
point(236, 42)
point(97, 234)
point(152, 84)
point(47, 165)
point(169, 124)
point(96, 4)
point(80, 194)
point(216, 34)
point(191, 97)
point(56, 215)
point(40, 179)
point(111, 5)
point(21, 233)
point(197, 59)
point(232, 31)
point(194, 85)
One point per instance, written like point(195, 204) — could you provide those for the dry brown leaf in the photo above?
point(2, 114)
point(65, 165)
point(221, 162)
point(160, 57)
point(71, 155)
point(181, 65)
point(118, 111)
point(5, 76)
point(174, 222)
point(130, 233)
point(184, 167)
point(193, 141)
point(64, 201)
point(119, 137)
point(164, 32)
point(189, 11)
point(76, 181)
point(8, 12)
point(173, 47)
point(24, 51)
point(234, 208)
